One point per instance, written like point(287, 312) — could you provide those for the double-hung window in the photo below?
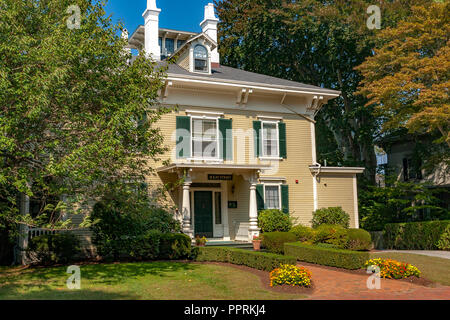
point(205, 138)
point(272, 196)
point(270, 147)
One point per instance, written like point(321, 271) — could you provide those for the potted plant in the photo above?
point(256, 243)
point(201, 242)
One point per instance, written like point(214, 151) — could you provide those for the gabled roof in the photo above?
point(212, 43)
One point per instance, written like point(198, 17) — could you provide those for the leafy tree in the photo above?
point(399, 202)
point(407, 79)
point(75, 117)
point(317, 42)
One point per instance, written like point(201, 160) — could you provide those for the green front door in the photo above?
point(203, 214)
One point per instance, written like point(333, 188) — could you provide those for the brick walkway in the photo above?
point(331, 284)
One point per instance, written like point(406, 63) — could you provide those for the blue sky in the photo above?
point(184, 15)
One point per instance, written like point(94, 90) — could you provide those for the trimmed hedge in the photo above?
point(254, 259)
point(415, 235)
point(274, 241)
point(358, 240)
point(340, 258)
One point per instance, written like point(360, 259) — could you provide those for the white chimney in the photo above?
point(151, 17)
point(209, 26)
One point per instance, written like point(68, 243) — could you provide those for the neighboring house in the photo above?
point(403, 163)
point(241, 141)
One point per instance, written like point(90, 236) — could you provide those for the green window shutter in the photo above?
point(257, 137)
point(226, 140)
point(282, 139)
point(260, 196)
point(285, 198)
point(183, 137)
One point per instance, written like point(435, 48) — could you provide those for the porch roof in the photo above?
point(175, 166)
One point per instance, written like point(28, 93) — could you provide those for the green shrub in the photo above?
point(144, 247)
point(415, 235)
point(119, 230)
point(331, 234)
point(332, 215)
point(444, 241)
point(303, 233)
point(175, 246)
point(274, 241)
point(257, 260)
point(53, 248)
point(327, 256)
point(358, 240)
point(272, 220)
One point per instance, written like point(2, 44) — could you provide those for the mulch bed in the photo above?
point(414, 280)
point(264, 276)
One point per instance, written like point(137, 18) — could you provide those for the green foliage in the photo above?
point(444, 241)
point(175, 246)
point(399, 201)
point(253, 259)
point(53, 248)
point(121, 228)
point(331, 215)
point(327, 256)
point(71, 106)
point(271, 220)
point(331, 234)
point(303, 233)
point(274, 241)
point(359, 240)
point(416, 235)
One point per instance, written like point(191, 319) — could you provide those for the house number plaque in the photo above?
point(220, 177)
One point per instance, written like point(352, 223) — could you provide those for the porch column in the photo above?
point(253, 230)
point(186, 208)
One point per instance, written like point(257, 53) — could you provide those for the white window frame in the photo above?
point(263, 155)
point(218, 156)
point(279, 193)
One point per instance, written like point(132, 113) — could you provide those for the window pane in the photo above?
point(170, 46)
point(218, 207)
point(270, 139)
point(209, 149)
point(200, 52)
point(204, 138)
point(272, 197)
point(180, 43)
point(200, 65)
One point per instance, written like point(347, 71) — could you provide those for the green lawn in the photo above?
point(153, 281)
point(432, 268)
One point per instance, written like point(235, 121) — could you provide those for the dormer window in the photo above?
point(200, 58)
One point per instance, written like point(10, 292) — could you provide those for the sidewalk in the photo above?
point(431, 253)
point(333, 284)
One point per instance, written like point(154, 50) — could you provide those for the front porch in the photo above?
point(216, 201)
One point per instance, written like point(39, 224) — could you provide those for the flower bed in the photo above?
point(393, 269)
point(290, 275)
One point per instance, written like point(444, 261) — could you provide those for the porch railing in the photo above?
point(35, 232)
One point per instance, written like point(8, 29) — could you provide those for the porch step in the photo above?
point(232, 244)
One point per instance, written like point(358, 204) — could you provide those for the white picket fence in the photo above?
point(35, 232)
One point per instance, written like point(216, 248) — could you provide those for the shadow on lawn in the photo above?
point(108, 274)
point(45, 292)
